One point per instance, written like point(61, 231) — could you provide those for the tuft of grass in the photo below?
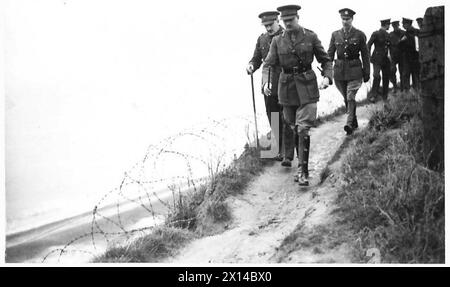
point(232, 181)
point(392, 200)
point(194, 213)
point(319, 239)
point(205, 206)
point(162, 242)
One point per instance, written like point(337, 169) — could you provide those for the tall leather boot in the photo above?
point(355, 119)
point(288, 145)
point(303, 157)
point(351, 117)
point(279, 137)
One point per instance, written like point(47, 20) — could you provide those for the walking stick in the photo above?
point(254, 111)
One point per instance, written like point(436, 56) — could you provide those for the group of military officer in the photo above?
point(397, 48)
point(290, 85)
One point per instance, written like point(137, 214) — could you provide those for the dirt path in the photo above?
point(277, 221)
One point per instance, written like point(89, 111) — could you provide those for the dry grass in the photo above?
point(206, 209)
point(162, 242)
point(391, 199)
point(196, 213)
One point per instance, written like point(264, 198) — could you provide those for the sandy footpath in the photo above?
point(32, 246)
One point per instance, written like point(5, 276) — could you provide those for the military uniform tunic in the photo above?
point(349, 70)
point(295, 89)
point(348, 47)
point(261, 50)
point(298, 91)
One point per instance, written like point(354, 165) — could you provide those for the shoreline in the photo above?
point(32, 245)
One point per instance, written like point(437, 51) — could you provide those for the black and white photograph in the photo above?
point(212, 133)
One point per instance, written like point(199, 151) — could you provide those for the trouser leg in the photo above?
point(272, 106)
point(415, 73)
point(376, 80)
point(288, 131)
point(342, 88)
point(305, 117)
point(400, 70)
point(386, 75)
point(352, 89)
point(393, 75)
point(351, 113)
point(406, 75)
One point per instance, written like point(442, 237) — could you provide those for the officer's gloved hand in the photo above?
point(250, 69)
point(325, 83)
point(267, 92)
point(366, 78)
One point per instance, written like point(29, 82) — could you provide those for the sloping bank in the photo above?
point(391, 200)
point(199, 213)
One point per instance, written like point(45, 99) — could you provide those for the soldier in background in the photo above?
point(294, 50)
point(269, 87)
point(380, 59)
point(349, 70)
point(419, 22)
point(432, 86)
point(410, 55)
point(396, 58)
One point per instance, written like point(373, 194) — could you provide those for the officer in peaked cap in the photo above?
point(346, 12)
point(288, 12)
point(396, 58)
point(294, 50)
point(410, 55)
point(380, 59)
point(419, 22)
point(349, 70)
point(269, 87)
point(385, 22)
point(267, 18)
point(407, 21)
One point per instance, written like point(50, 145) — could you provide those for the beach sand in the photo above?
point(76, 235)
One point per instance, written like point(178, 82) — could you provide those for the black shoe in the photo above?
point(279, 157)
point(303, 179)
point(286, 162)
point(348, 129)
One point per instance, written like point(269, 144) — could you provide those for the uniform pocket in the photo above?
point(311, 84)
point(306, 84)
point(283, 85)
point(338, 67)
